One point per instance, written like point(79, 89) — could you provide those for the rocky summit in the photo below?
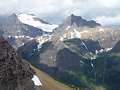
point(15, 74)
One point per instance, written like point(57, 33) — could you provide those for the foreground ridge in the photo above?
point(15, 74)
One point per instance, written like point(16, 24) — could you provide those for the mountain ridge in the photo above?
point(74, 21)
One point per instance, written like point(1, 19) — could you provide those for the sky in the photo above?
point(106, 12)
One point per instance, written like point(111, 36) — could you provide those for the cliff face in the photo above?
point(15, 74)
point(116, 48)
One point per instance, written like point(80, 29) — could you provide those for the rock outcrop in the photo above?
point(15, 74)
point(116, 48)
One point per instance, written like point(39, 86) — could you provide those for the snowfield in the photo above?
point(31, 20)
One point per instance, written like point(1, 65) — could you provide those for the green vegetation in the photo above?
point(49, 83)
point(103, 75)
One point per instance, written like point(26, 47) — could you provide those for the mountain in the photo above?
point(66, 61)
point(63, 60)
point(58, 56)
point(18, 32)
point(78, 53)
point(74, 21)
point(47, 53)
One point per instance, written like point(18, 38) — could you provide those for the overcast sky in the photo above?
point(103, 11)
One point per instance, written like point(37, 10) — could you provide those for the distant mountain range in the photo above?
point(78, 52)
point(19, 29)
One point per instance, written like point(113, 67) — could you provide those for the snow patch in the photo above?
point(84, 45)
point(85, 31)
point(72, 34)
point(42, 39)
point(39, 46)
point(61, 38)
point(101, 50)
point(108, 49)
point(101, 30)
point(77, 34)
point(68, 27)
point(36, 80)
point(92, 65)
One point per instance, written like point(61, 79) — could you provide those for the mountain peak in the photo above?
point(73, 16)
point(11, 19)
point(78, 21)
point(13, 16)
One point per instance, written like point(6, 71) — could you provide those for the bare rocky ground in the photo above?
point(15, 74)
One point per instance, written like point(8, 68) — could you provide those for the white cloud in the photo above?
point(109, 20)
point(57, 10)
point(109, 3)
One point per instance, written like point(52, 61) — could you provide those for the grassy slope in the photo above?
point(49, 83)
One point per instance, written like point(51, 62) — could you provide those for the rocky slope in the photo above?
point(107, 37)
point(15, 74)
point(116, 48)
